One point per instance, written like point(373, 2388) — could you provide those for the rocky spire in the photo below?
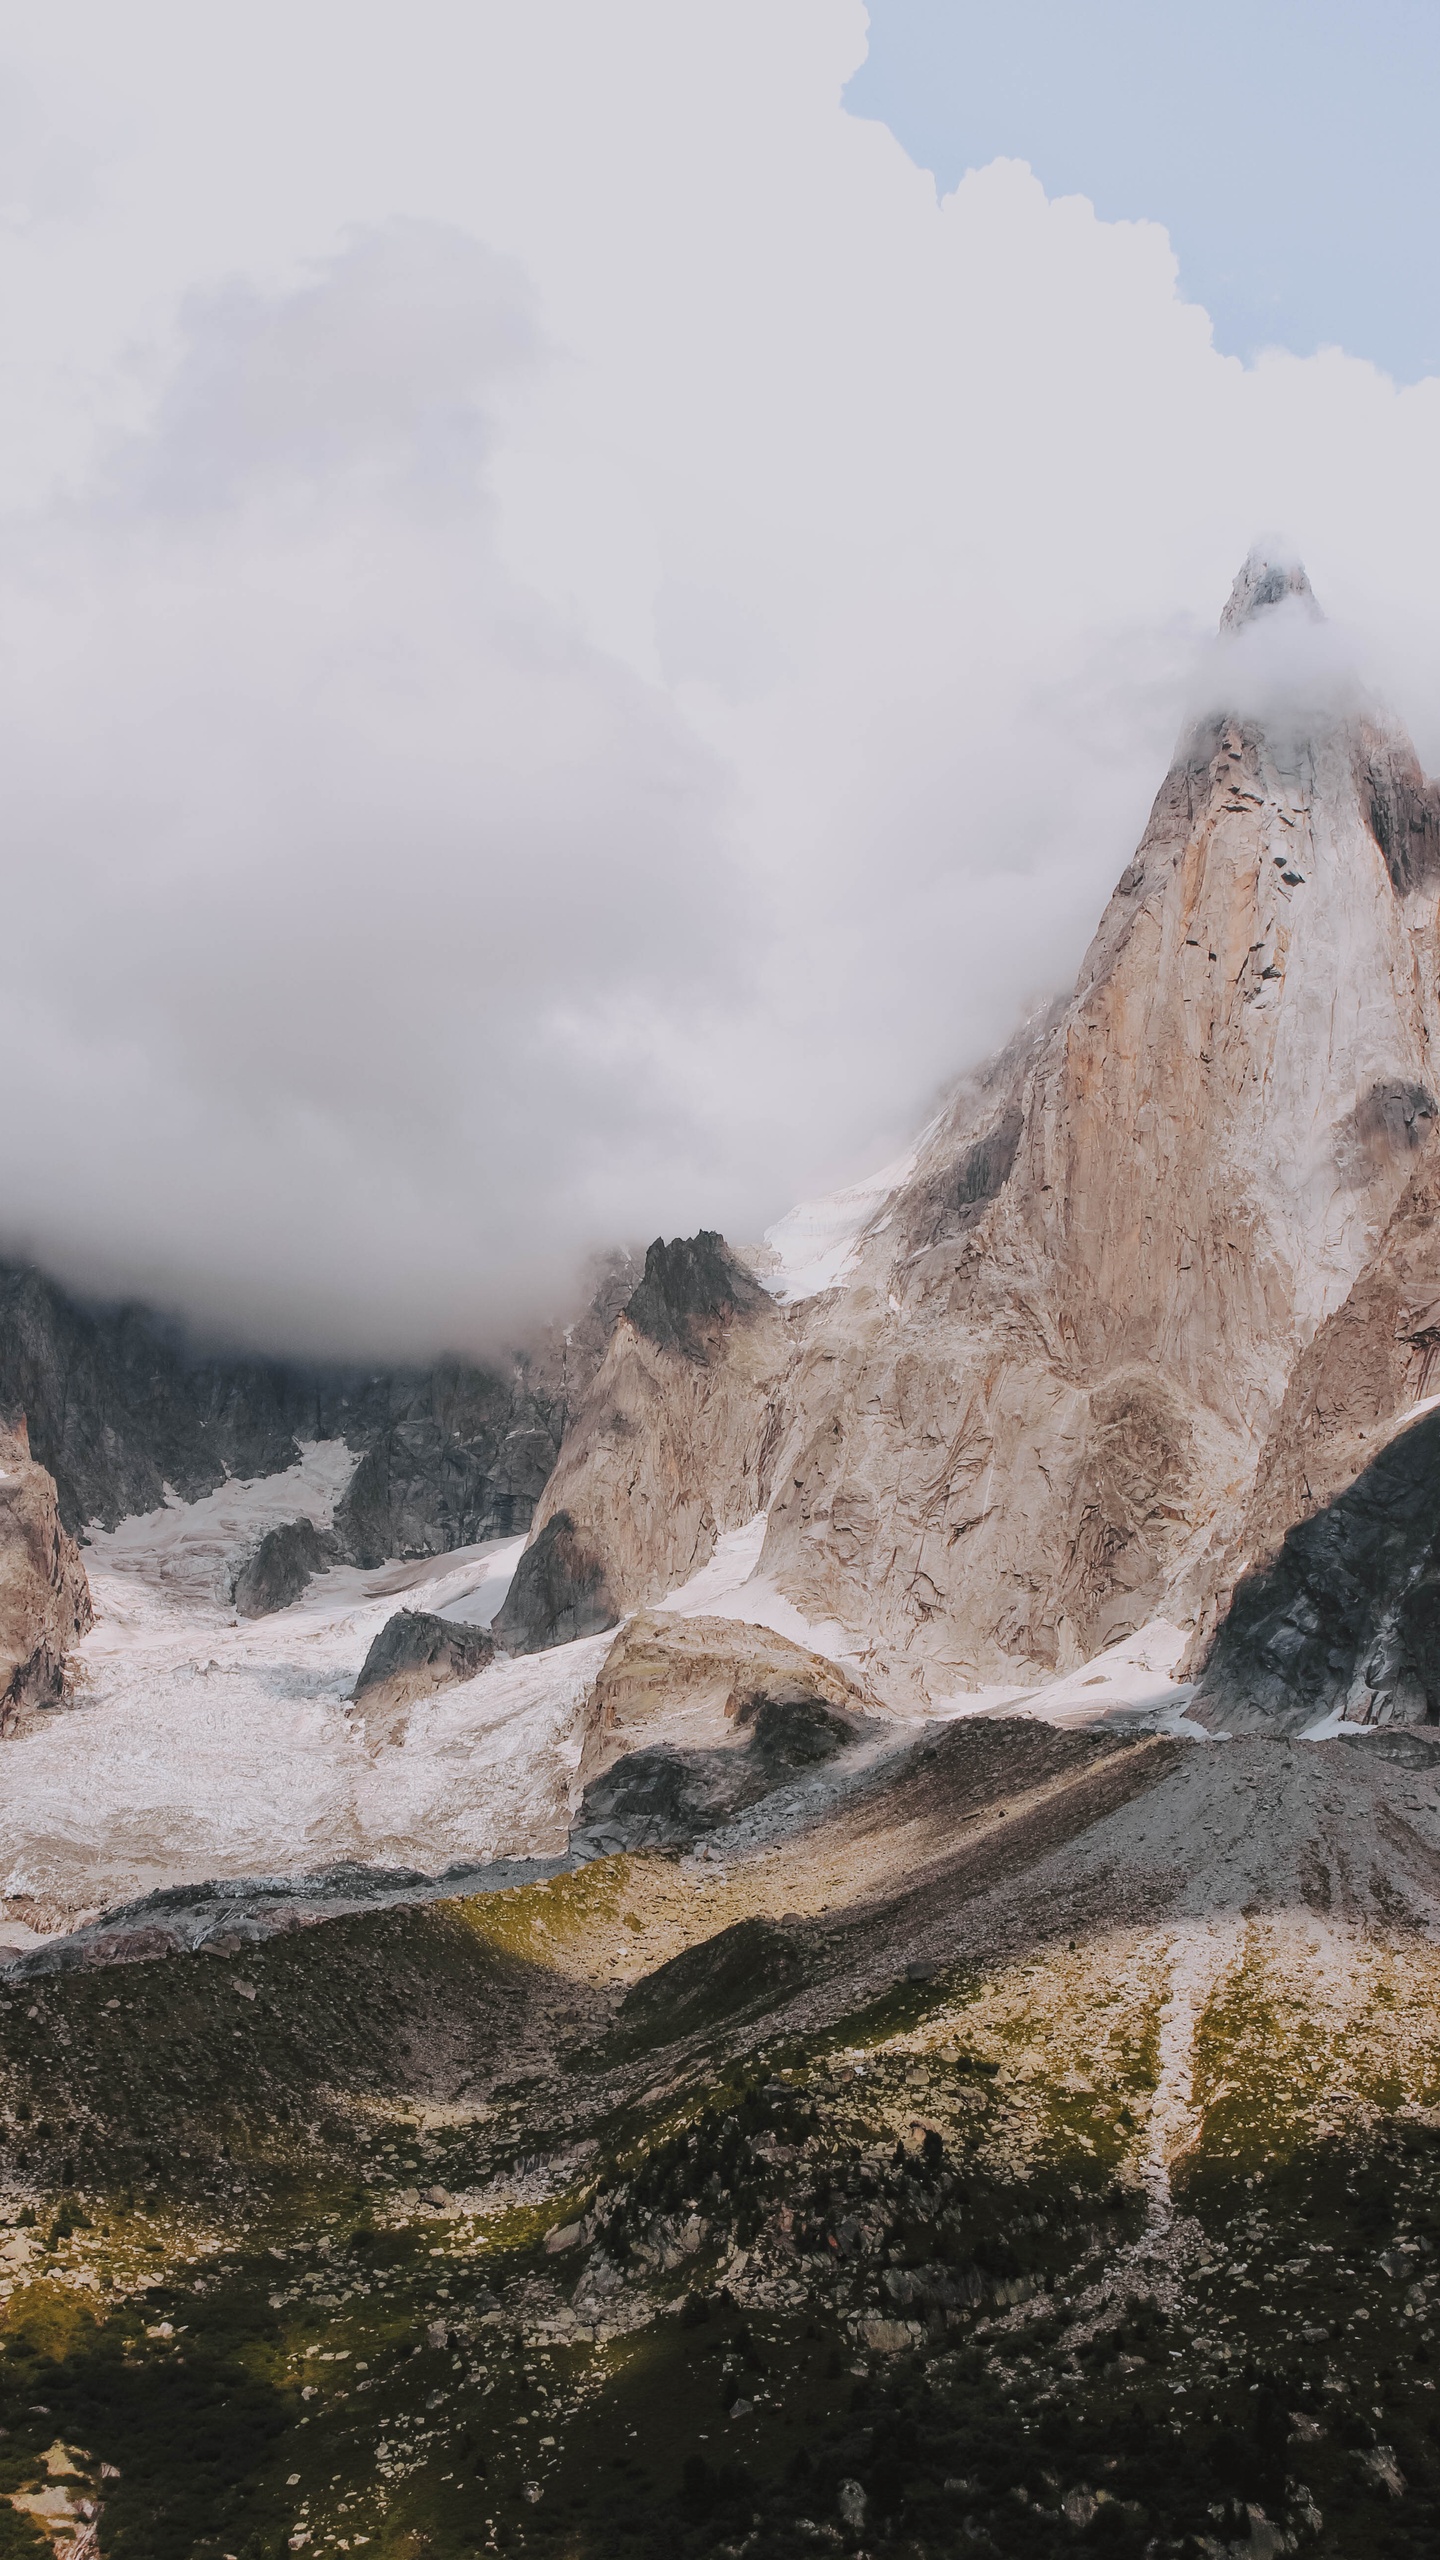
point(1032, 1418)
point(1267, 576)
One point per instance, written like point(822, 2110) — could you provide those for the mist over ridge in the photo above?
point(525, 734)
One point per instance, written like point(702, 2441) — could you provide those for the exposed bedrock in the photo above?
point(560, 1591)
point(691, 1293)
point(704, 1680)
point(44, 1595)
point(666, 1797)
point(1034, 1418)
point(692, 1719)
point(672, 1446)
point(280, 1567)
point(1348, 1613)
point(415, 1654)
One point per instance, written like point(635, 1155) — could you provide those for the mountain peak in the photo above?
point(1267, 576)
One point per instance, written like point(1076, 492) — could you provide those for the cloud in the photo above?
point(1277, 659)
point(573, 642)
point(360, 898)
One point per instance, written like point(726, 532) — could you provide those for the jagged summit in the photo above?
point(1265, 578)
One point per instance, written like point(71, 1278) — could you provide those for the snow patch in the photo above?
point(1135, 1676)
point(729, 1586)
point(1129, 1680)
point(187, 1547)
point(484, 1593)
point(815, 1244)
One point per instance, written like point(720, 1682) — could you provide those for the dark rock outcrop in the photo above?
point(281, 1566)
point(691, 1289)
point(1348, 1613)
point(559, 1592)
point(450, 1456)
point(121, 1405)
point(673, 1444)
point(44, 1596)
point(664, 1798)
point(415, 1654)
point(117, 1410)
point(1403, 809)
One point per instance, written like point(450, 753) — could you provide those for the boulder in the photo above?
point(44, 1595)
point(665, 1798)
point(415, 1654)
point(704, 1680)
point(280, 1567)
point(560, 1591)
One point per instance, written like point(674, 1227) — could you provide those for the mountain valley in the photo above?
point(811, 1921)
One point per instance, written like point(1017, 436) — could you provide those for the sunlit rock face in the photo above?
point(44, 1596)
point(1032, 1412)
point(673, 1445)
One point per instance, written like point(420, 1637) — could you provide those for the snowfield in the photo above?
point(199, 1746)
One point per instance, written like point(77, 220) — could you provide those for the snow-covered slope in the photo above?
point(815, 1246)
point(198, 1746)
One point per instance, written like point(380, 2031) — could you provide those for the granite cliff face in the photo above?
point(1157, 1285)
point(44, 1596)
point(1099, 1281)
point(673, 1445)
point(1071, 1353)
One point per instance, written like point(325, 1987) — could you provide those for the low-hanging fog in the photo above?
point(573, 643)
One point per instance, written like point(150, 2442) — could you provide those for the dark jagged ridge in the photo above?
point(120, 1405)
point(691, 1288)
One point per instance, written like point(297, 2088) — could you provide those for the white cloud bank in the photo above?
point(572, 642)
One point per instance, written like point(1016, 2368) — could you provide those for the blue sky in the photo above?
point(1289, 146)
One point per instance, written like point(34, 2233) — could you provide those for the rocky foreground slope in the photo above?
point(1038, 2153)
